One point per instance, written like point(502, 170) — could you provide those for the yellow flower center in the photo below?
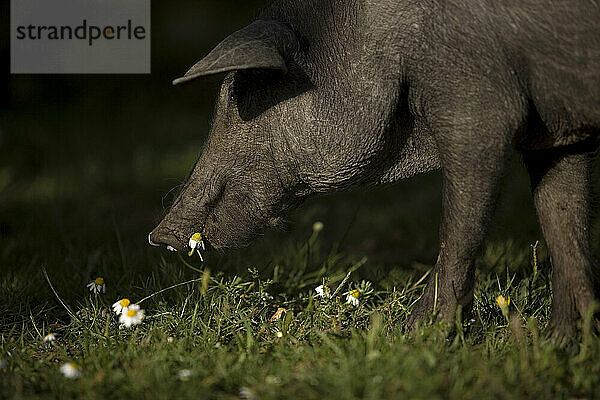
point(501, 301)
point(124, 302)
point(196, 237)
point(131, 313)
point(99, 281)
point(354, 293)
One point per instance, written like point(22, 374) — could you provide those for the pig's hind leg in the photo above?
point(561, 182)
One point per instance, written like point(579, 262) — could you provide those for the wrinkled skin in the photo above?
point(323, 95)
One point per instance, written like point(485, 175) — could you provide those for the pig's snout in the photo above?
point(189, 213)
point(163, 238)
point(151, 242)
point(171, 236)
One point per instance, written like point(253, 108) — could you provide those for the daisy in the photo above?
point(502, 302)
point(184, 374)
point(196, 243)
point(121, 306)
point(246, 393)
point(266, 297)
point(70, 370)
point(97, 286)
point(133, 316)
point(279, 334)
point(352, 297)
point(51, 337)
point(323, 291)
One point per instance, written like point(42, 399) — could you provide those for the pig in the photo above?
point(323, 95)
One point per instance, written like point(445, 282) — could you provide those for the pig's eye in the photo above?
point(254, 81)
point(238, 89)
point(256, 91)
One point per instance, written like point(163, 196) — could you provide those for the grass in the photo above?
point(218, 325)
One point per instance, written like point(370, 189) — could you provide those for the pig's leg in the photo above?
point(561, 191)
point(473, 163)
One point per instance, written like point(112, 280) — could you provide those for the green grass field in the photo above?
point(214, 320)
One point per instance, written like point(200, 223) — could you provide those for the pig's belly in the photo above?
point(564, 109)
point(540, 138)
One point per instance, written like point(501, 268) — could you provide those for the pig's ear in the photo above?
point(260, 45)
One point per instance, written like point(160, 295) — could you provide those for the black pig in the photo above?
point(322, 95)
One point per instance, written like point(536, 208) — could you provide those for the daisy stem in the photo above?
point(34, 325)
point(435, 295)
point(107, 325)
point(168, 288)
point(71, 313)
point(352, 269)
point(188, 264)
point(341, 285)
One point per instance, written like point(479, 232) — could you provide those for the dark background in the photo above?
point(88, 164)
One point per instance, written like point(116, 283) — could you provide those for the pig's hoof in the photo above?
point(441, 305)
point(427, 311)
point(418, 318)
point(571, 313)
point(563, 330)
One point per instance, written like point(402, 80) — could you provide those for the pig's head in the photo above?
point(293, 118)
point(246, 177)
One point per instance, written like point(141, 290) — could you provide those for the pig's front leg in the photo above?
point(473, 153)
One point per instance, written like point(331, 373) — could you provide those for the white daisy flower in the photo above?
point(196, 243)
point(323, 291)
point(51, 337)
point(279, 334)
point(133, 316)
point(352, 297)
point(121, 306)
point(184, 374)
point(97, 286)
point(70, 370)
point(266, 297)
point(247, 393)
